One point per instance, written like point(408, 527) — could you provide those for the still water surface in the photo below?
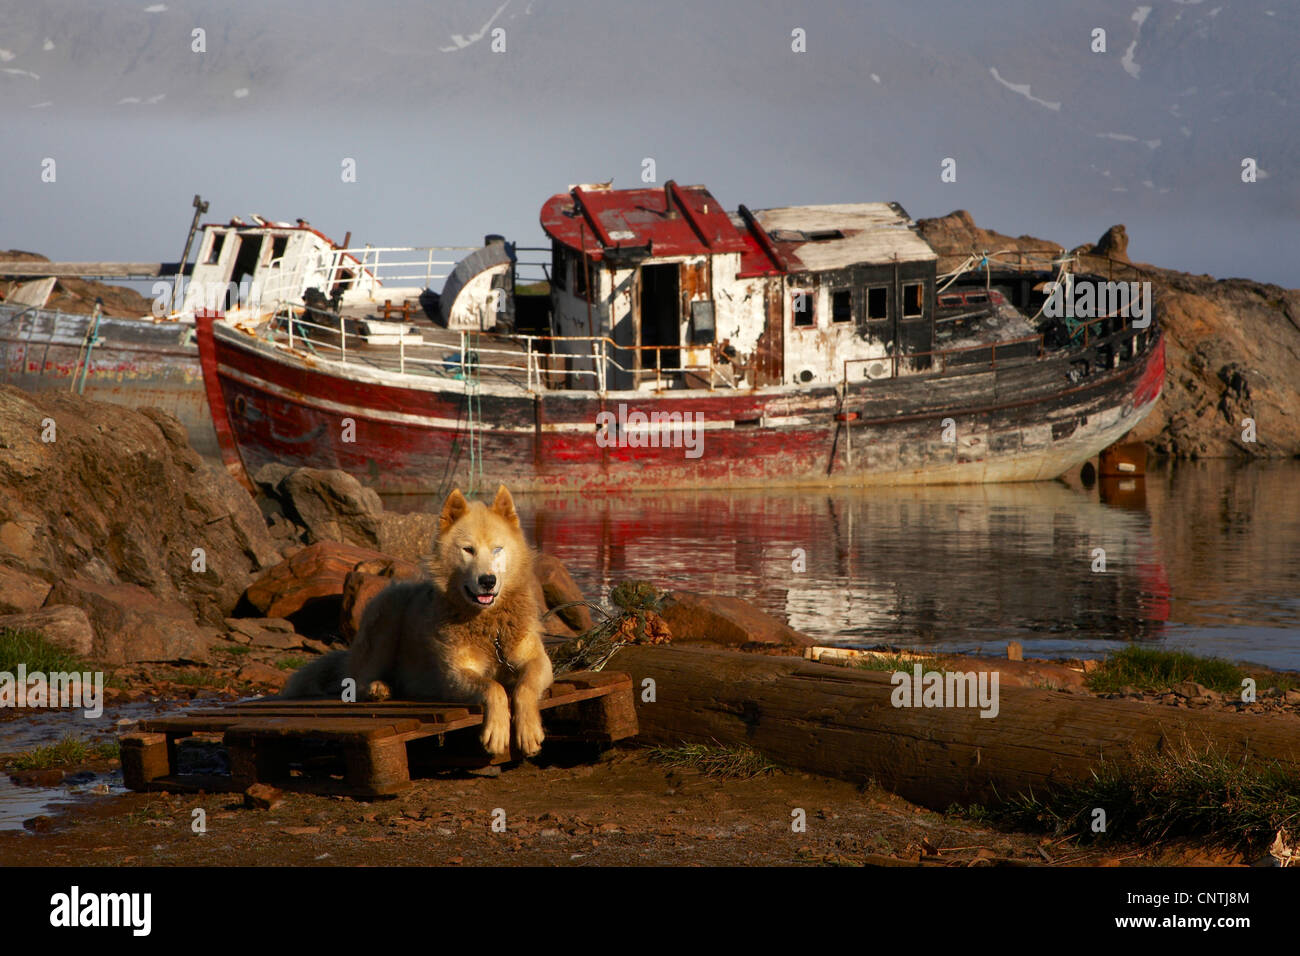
point(1200, 556)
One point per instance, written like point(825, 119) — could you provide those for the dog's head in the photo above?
point(480, 550)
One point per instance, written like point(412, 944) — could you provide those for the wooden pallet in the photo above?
point(361, 749)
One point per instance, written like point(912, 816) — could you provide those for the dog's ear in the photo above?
point(452, 509)
point(504, 505)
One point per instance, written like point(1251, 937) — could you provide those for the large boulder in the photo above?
point(308, 588)
point(558, 589)
point(133, 625)
point(67, 628)
point(21, 592)
point(719, 619)
point(117, 496)
point(330, 505)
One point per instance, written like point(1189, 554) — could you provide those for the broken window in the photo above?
point(801, 308)
point(278, 245)
point(218, 241)
point(877, 303)
point(841, 305)
point(913, 300)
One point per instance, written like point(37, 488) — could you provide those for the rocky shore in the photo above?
point(1232, 345)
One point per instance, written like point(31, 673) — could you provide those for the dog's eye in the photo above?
point(497, 550)
point(468, 550)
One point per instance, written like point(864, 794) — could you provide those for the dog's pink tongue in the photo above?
point(484, 599)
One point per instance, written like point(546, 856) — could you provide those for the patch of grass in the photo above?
point(192, 678)
point(733, 763)
point(1159, 796)
point(291, 663)
point(533, 288)
point(31, 649)
point(233, 650)
point(896, 662)
point(69, 752)
point(1155, 671)
point(975, 812)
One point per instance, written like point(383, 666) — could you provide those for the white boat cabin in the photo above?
point(250, 269)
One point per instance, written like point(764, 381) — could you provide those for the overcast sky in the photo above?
point(453, 138)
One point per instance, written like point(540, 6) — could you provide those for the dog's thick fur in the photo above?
point(469, 633)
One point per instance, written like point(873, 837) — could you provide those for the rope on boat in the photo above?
point(473, 410)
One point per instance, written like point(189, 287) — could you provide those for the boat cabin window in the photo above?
point(913, 300)
point(702, 327)
point(877, 303)
point(802, 309)
point(580, 268)
point(214, 254)
point(841, 305)
point(278, 245)
point(559, 266)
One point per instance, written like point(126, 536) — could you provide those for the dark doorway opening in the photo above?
point(661, 315)
point(250, 249)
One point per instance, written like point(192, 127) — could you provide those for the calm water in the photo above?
point(1200, 557)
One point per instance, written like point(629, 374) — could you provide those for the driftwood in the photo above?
point(840, 722)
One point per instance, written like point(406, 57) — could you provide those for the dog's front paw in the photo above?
point(378, 690)
point(528, 731)
point(496, 731)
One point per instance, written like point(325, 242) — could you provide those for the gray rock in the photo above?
point(332, 506)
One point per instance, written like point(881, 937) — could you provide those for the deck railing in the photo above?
point(358, 274)
point(536, 359)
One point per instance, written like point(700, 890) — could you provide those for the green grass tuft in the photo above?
point(1159, 796)
point(31, 649)
point(1155, 671)
point(896, 662)
point(69, 752)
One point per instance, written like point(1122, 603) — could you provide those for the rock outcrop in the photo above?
point(110, 510)
point(720, 619)
point(1232, 345)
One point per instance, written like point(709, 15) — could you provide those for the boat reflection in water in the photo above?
point(959, 567)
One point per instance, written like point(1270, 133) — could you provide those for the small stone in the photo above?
point(1190, 690)
point(262, 796)
point(1015, 652)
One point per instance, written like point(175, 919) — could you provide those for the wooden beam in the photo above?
point(90, 270)
point(840, 722)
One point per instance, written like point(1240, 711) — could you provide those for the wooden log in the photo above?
point(841, 722)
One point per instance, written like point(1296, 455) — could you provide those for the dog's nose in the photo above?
point(487, 581)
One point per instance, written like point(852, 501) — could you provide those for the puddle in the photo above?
point(22, 803)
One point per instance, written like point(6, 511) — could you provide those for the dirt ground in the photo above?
point(622, 808)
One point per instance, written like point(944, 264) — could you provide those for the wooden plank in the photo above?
point(841, 722)
point(89, 270)
point(364, 728)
